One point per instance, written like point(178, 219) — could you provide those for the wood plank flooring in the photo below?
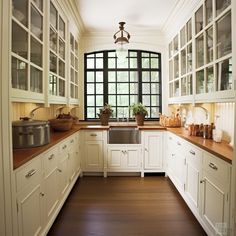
point(125, 206)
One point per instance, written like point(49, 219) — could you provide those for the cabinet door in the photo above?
point(132, 158)
point(114, 159)
point(192, 184)
point(153, 150)
point(94, 155)
point(30, 211)
point(215, 205)
point(51, 185)
point(63, 176)
point(71, 164)
point(180, 169)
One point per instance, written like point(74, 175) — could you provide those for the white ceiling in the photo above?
point(104, 15)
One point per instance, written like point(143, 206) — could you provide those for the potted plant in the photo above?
point(105, 113)
point(139, 111)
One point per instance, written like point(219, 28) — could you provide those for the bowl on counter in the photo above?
point(61, 124)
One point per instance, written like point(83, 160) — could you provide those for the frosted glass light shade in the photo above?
point(121, 52)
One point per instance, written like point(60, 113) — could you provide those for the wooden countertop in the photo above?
point(222, 150)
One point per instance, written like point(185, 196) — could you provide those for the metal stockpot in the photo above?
point(30, 133)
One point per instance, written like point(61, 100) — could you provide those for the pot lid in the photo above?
point(25, 122)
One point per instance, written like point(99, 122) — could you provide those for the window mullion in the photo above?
point(139, 76)
point(105, 77)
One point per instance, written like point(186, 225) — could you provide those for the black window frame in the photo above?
point(140, 82)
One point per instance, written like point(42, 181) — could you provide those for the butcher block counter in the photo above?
point(221, 150)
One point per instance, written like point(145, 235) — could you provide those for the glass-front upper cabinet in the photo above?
point(57, 53)
point(74, 64)
point(27, 45)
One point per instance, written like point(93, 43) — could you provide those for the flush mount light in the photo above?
point(121, 40)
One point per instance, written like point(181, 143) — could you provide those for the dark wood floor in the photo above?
point(125, 206)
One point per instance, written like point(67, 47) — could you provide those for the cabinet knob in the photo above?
point(146, 149)
point(172, 154)
point(93, 135)
point(64, 147)
point(179, 143)
point(42, 194)
point(59, 170)
point(192, 152)
point(202, 181)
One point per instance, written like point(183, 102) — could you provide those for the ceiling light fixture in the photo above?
point(121, 40)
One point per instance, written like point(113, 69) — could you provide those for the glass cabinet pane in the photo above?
point(210, 80)
point(19, 40)
point(189, 30)
point(208, 5)
point(72, 45)
point(53, 40)
point(200, 82)
point(170, 50)
point(176, 88)
point(182, 37)
point(61, 28)
point(225, 78)
point(171, 90)
point(189, 84)
point(221, 5)
point(223, 32)
point(39, 4)
point(53, 62)
point(183, 61)
point(176, 44)
point(36, 23)
point(209, 42)
point(36, 52)
point(20, 11)
point(171, 70)
point(36, 80)
point(53, 16)
point(200, 51)
point(176, 66)
point(199, 20)
point(19, 74)
point(61, 68)
point(183, 86)
point(76, 48)
point(189, 58)
point(52, 84)
point(61, 88)
point(61, 49)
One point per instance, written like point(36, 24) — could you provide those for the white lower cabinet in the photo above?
point(215, 194)
point(93, 149)
point(153, 150)
point(43, 184)
point(124, 158)
point(203, 180)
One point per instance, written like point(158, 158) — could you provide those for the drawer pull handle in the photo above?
point(179, 143)
point(64, 147)
point(146, 149)
point(72, 141)
point(30, 173)
point(192, 152)
point(172, 154)
point(59, 170)
point(51, 157)
point(213, 166)
point(93, 135)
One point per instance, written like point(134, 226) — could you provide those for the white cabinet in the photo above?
point(153, 150)
point(93, 150)
point(124, 158)
point(43, 184)
point(29, 198)
point(215, 194)
point(203, 180)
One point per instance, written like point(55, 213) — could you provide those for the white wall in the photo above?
point(149, 41)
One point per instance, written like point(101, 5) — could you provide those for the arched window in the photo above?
point(122, 83)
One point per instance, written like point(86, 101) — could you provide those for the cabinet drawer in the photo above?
point(93, 135)
point(217, 168)
point(50, 160)
point(29, 174)
point(194, 155)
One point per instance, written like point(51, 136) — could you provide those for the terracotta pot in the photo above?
point(140, 119)
point(104, 118)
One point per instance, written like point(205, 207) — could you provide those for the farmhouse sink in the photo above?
point(124, 135)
